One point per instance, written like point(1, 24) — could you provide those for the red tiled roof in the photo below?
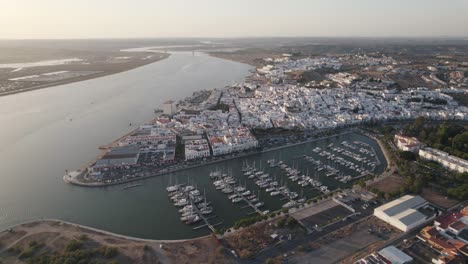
point(458, 225)
point(446, 220)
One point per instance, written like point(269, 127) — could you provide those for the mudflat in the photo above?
point(25, 68)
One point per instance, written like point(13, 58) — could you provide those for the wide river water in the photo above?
point(47, 131)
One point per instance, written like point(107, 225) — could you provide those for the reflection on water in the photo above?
point(48, 131)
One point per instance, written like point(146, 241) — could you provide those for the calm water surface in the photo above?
point(47, 131)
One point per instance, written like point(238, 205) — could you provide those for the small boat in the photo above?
point(182, 202)
point(246, 193)
point(186, 218)
point(206, 210)
point(131, 186)
point(240, 189)
point(259, 204)
point(289, 204)
point(238, 199)
point(204, 204)
point(172, 188)
point(193, 220)
point(227, 190)
point(195, 192)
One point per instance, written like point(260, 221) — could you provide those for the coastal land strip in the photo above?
point(23, 70)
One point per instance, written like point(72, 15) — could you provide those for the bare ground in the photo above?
point(438, 199)
point(346, 244)
point(55, 235)
point(388, 184)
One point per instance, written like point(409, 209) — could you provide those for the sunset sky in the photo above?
point(233, 18)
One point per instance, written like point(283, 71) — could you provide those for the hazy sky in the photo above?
point(231, 18)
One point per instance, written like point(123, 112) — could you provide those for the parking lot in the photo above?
point(326, 217)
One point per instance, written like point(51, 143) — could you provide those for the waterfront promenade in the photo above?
point(78, 177)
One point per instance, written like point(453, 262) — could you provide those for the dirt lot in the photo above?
point(253, 239)
point(203, 250)
point(53, 236)
point(357, 239)
point(388, 184)
point(438, 199)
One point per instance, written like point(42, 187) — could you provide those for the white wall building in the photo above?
point(196, 149)
point(407, 143)
point(403, 213)
point(446, 160)
point(169, 107)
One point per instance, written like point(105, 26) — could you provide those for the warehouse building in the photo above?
point(395, 256)
point(116, 157)
point(405, 212)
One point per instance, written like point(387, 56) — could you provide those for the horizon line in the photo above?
point(252, 37)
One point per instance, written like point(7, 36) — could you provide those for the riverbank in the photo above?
point(94, 67)
point(79, 177)
point(54, 235)
point(70, 122)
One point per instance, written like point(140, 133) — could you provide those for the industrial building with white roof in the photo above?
point(405, 212)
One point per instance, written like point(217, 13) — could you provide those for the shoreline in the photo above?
point(100, 231)
point(47, 232)
point(74, 181)
point(81, 78)
point(355, 129)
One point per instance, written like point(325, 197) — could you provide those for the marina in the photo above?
point(257, 184)
point(32, 190)
point(266, 182)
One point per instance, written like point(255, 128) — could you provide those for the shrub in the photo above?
point(281, 222)
point(26, 253)
point(110, 252)
point(15, 249)
point(73, 245)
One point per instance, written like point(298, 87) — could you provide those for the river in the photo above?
point(50, 130)
point(47, 131)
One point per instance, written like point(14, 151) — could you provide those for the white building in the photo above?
point(446, 160)
point(196, 149)
point(407, 143)
point(395, 256)
point(116, 157)
point(403, 213)
point(169, 107)
point(150, 138)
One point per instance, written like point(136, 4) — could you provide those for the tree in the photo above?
point(418, 123)
point(460, 192)
point(442, 134)
point(407, 155)
point(460, 142)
